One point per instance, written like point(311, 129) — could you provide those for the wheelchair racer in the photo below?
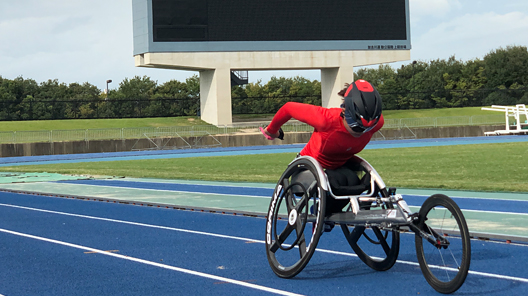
point(339, 134)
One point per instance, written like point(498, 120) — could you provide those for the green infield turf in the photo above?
point(479, 167)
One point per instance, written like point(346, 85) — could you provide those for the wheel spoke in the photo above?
point(284, 235)
point(444, 265)
point(274, 246)
point(356, 233)
point(312, 188)
point(288, 196)
point(299, 207)
point(382, 240)
point(300, 235)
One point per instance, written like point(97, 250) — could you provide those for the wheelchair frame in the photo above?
point(379, 210)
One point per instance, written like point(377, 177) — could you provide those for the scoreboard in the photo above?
point(270, 25)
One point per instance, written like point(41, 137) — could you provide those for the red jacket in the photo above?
point(331, 144)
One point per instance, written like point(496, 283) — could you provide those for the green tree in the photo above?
point(55, 95)
point(303, 87)
point(193, 86)
point(464, 88)
point(135, 88)
point(82, 100)
point(378, 77)
point(384, 80)
point(278, 86)
point(7, 97)
point(131, 97)
point(12, 93)
point(506, 66)
point(255, 89)
point(173, 89)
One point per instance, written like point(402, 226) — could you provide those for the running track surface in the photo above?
point(67, 246)
point(59, 246)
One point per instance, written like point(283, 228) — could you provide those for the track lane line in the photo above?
point(162, 190)
point(485, 274)
point(267, 197)
point(142, 261)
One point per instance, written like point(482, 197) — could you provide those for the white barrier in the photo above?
point(511, 111)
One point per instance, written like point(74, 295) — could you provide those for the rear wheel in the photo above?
point(377, 248)
point(295, 219)
point(444, 253)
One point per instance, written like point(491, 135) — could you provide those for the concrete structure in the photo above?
point(215, 60)
point(337, 68)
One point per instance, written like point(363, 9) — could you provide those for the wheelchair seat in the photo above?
point(345, 181)
point(353, 178)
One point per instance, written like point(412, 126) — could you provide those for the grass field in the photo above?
point(70, 124)
point(483, 167)
point(413, 113)
point(38, 125)
point(443, 112)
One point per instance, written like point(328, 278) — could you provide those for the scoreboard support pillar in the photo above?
point(332, 81)
point(215, 96)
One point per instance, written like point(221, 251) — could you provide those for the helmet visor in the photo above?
point(355, 126)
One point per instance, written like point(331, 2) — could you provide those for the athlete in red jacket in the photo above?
point(339, 133)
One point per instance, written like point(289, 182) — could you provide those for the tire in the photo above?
point(295, 220)
point(379, 249)
point(445, 267)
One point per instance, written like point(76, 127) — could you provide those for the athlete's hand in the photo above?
point(279, 134)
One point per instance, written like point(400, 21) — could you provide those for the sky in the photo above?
point(91, 40)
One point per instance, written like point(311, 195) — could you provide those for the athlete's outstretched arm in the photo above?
point(309, 114)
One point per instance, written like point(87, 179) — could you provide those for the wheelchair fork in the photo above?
point(430, 235)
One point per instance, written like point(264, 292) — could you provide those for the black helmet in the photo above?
point(362, 106)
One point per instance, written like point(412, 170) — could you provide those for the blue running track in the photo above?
point(51, 245)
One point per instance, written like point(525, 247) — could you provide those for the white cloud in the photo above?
point(434, 8)
point(72, 41)
point(472, 36)
point(91, 40)
point(26, 36)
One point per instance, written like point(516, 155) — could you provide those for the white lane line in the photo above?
point(491, 275)
point(495, 212)
point(162, 190)
point(469, 197)
point(169, 267)
point(482, 211)
point(131, 223)
point(255, 196)
point(183, 182)
point(259, 196)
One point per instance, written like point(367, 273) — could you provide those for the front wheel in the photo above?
point(295, 219)
point(443, 244)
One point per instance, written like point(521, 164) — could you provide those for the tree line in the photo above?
point(500, 78)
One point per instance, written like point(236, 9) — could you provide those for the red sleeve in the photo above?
point(315, 116)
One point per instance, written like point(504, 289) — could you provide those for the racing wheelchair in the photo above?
point(371, 222)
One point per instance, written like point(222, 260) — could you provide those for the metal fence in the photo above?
point(186, 131)
point(445, 121)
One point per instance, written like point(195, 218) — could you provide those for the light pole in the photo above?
point(107, 82)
